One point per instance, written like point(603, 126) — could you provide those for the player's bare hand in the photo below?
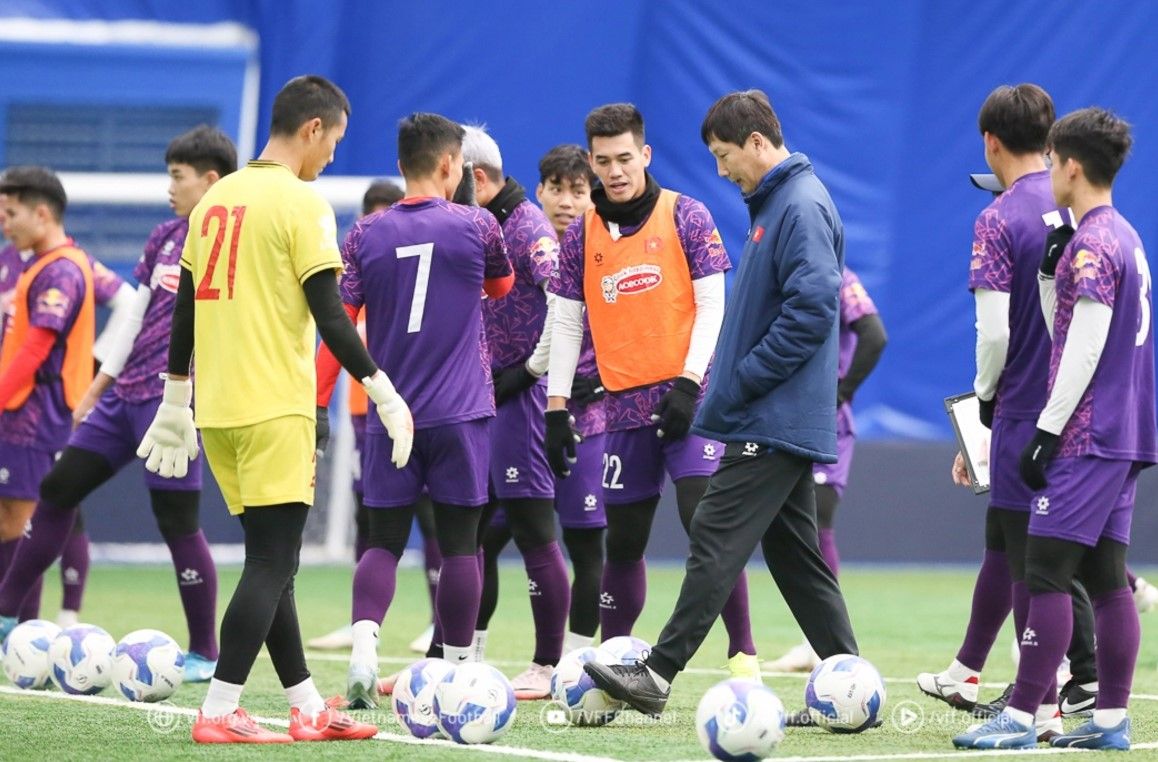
point(84, 407)
point(960, 474)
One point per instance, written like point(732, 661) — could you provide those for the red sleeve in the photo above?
point(497, 288)
point(37, 346)
point(327, 366)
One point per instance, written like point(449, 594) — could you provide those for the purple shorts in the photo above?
point(579, 497)
point(519, 467)
point(1087, 498)
point(835, 475)
point(359, 424)
point(1008, 438)
point(21, 471)
point(636, 459)
point(114, 429)
point(451, 461)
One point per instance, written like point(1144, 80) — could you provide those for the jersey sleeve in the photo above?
point(350, 283)
point(1096, 273)
point(991, 266)
point(855, 302)
point(105, 282)
point(314, 246)
point(703, 246)
point(542, 250)
point(567, 280)
point(143, 271)
point(55, 296)
point(496, 262)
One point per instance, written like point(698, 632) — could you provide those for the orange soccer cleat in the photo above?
point(238, 727)
point(330, 725)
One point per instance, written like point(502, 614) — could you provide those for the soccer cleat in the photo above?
point(421, 644)
point(362, 687)
point(238, 727)
point(630, 683)
point(534, 683)
point(1091, 736)
point(1002, 732)
point(386, 684)
point(745, 667)
point(799, 658)
point(198, 669)
point(7, 625)
point(1049, 729)
point(330, 725)
point(1145, 595)
point(338, 640)
point(994, 707)
point(1076, 701)
point(960, 694)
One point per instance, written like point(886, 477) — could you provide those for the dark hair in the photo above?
point(737, 115)
point(1098, 139)
point(381, 193)
point(614, 119)
point(423, 138)
point(32, 186)
point(204, 148)
point(1019, 116)
point(305, 98)
point(565, 162)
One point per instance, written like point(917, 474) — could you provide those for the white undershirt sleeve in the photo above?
point(1084, 344)
point(121, 302)
point(538, 361)
point(1047, 292)
point(709, 297)
point(566, 343)
point(120, 344)
point(992, 340)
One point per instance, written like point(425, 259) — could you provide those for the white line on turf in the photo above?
point(959, 754)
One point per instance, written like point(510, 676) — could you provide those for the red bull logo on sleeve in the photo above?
point(53, 302)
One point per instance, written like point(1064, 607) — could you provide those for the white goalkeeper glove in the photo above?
point(171, 440)
point(395, 415)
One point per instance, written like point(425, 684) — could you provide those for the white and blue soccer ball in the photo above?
point(740, 721)
point(475, 703)
point(82, 659)
point(845, 694)
point(25, 651)
point(574, 690)
point(148, 665)
point(413, 698)
point(623, 649)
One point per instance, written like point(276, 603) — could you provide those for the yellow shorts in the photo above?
point(268, 463)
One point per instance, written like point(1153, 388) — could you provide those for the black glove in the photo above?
point(1055, 244)
point(986, 407)
point(322, 435)
point(560, 441)
point(512, 381)
point(843, 393)
point(1035, 457)
point(465, 192)
point(676, 409)
point(587, 389)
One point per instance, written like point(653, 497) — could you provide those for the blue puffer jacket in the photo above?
point(774, 374)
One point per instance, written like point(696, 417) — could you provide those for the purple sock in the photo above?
point(197, 583)
point(374, 581)
point(432, 560)
point(459, 589)
point(1043, 644)
point(33, 556)
point(828, 550)
point(30, 609)
point(1117, 631)
point(992, 602)
point(736, 619)
point(550, 592)
point(624, 590)
point(74, 560)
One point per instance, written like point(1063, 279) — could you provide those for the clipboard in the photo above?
point(972, 438)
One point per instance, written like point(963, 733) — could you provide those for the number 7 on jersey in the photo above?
point(424, 252)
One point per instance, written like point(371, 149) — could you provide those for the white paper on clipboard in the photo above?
point(972, 438)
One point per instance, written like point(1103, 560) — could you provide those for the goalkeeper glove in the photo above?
point(322, 434)
point(395, 416)
point(171, 439)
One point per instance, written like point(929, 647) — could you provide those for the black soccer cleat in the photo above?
point(1076, 701)
point(630, 683)
point(994, 707)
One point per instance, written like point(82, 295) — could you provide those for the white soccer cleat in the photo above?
point(421, 644)
point(338, 640)
point(533, 683)
point(800, 658)
point(960, 694)
point(1145, 595)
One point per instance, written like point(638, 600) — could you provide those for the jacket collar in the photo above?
point(795, 164)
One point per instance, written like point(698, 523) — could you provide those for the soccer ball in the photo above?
point(740, 721)
point(82, 659)
point(475, 703)
point(413, 697)
point(623, 649)
point(574, 689)
point(26, 653)
point(148, 665)
point(845, 694)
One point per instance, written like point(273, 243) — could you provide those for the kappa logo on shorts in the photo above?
point(512, 475)
point(1041, 506)
point(709, 451)
point(590, 503)
point(630, 280)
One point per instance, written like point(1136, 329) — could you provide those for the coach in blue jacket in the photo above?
point(771, 399)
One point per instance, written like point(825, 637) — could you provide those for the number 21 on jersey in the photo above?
point(217, 219)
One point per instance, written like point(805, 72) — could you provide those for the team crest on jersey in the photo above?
point(630, 280)
point(166, 277)
point(653, 244)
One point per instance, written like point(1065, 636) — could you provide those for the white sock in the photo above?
point(67, 618)
point(305, 698)
point(458, 654)
point(664, 685)
point(221, 699)
point(1045, 712)
point(959, 672)
point(478, 645)
point(1023, 718)
point(573, 641)
point(1109, 718)
point(365, 648)
point(1090, 687)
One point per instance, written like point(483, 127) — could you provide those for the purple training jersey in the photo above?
point(514, 323)
point(418, 268)
point(159, 269)
point(1105, 262)
point(855, 303)
point(633, 408)
point(105, 282)
point(1008, 239)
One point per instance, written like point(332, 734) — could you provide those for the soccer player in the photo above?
point(419, 269)
point(259, 265)
point(121, 402)
point(862, 339)
point(772, 401)
point(648, 264)
point(520, 477)
point(1094, 435)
